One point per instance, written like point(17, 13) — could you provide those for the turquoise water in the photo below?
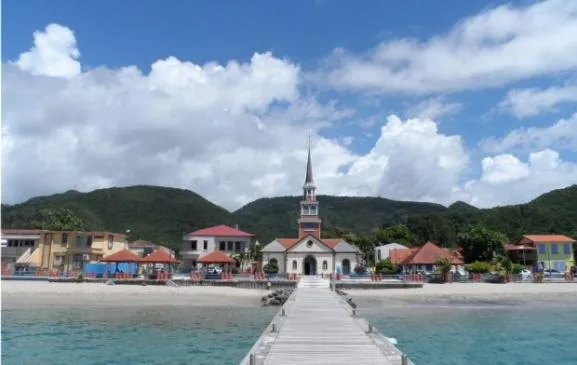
point(126, 336)
point(482, 335)
point(455, 334)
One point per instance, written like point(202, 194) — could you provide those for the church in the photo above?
point(309, 253)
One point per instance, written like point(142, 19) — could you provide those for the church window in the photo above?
point(309, 226)
point(325, 265)
point(309, 243)
point(294, 264)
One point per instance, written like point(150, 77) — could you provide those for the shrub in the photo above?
point(517, 268)
point(478, 267)
point(386, 267)
point(270, 268)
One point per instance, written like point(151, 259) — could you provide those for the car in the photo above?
point(526, 274)
point(552, 273)
point(214, 269)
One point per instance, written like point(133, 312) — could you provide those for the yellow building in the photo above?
point(57, 250)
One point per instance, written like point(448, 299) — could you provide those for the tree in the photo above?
point(243, 258)
point(386, 267)
point(270, 268)
point(367, 247)
point(399, 233)
point(61, 220)
point(444, 266)
point(480, 243)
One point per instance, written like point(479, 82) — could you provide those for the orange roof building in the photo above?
point(424, 257)
point(122, 256)
point(546, 251)
point(308, 253)
point(160, 256)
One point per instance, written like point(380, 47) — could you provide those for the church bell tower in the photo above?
point(309, 221)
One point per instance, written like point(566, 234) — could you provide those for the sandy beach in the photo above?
point(16, 294)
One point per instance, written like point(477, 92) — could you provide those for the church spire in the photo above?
point(309, 176)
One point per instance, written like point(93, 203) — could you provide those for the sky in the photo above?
point(473, 100)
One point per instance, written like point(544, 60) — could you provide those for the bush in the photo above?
point(386, 267)
point(270, 268)
point(517, 268)
point(478, 267)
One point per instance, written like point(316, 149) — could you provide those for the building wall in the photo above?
point(208, 244)
point(279, 257)
point(554, 259)
point(299, 258)
point(384, 251)
point(352, 257)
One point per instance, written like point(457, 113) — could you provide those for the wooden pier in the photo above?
point(317, 326)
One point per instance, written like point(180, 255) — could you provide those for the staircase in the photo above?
point(313, 281)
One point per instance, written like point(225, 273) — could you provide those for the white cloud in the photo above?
point(525, 103)
point(433, 108)
point(232, 133)
point(54, 53)
point(507, 180)
point(493, 48)
point(561, 135)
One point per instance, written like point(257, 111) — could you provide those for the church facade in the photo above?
point(309, 253)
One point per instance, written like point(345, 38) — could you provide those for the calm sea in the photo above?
point(482, 334)
point(430, 334)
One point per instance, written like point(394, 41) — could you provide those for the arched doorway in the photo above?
point(310, 265)
point(346, 267)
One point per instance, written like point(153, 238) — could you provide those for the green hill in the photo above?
point(163, 214)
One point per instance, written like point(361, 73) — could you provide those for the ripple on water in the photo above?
point(151, 336)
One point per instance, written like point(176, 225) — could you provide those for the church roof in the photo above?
point(337, 244)
point(309, 175)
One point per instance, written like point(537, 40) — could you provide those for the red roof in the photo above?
point(216, 257)
point(160, 257)
point(518, 247)
point(222, 230)
point(544, 238)
point(429, 254)
point(122, 256)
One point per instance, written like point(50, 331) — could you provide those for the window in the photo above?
point(64, 238)
point(57, 261)
point(193, 245)
point(309, 243)
point(110, 242)
point(273, 262)
point(237, 246)
point(77, 262)
point(325, 265)
point(309, 226)
point(554, 248)
point(313, 210)
point(205, 245)
point(566, 248)
point(222, 246)
point(542, 249)
point(294, 264)
point(229, 245)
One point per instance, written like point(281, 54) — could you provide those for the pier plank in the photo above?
point(319, 328)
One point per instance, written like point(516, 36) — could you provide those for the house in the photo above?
point(57, 250)
point(309, 253)
point(144, 248)
point(382, 252)
point(546, 251)
point(229, 240)
point(424, 258)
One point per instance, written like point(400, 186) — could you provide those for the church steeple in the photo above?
point(309, 221)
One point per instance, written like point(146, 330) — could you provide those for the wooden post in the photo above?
point(252, 360)
point(370, 328)
point(354, 312)
point(274, 327)
point(282, 312)
point(404, 360)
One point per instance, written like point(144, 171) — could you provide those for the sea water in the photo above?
point(433, 334)
point(131, 335)
point(481, 333)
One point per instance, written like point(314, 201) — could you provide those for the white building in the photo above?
point(222, 238)
point(309, 254)
point(383, 252)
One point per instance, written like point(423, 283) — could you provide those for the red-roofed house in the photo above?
point(424, 258)
point(309, 254)
point(204, 241)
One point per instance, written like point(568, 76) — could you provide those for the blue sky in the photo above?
point(467, 99)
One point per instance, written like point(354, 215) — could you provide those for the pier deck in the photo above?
point(320, 328)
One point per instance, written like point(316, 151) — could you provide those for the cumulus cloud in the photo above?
point(561, 135)
point(493, 48)
point(524, 103)
point(232, 132)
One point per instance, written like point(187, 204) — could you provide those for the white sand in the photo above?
point(519, 291)
point(40, 293)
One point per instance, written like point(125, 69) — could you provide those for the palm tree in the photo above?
point(505, 265)
point(242, 257)
point(444, 266)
